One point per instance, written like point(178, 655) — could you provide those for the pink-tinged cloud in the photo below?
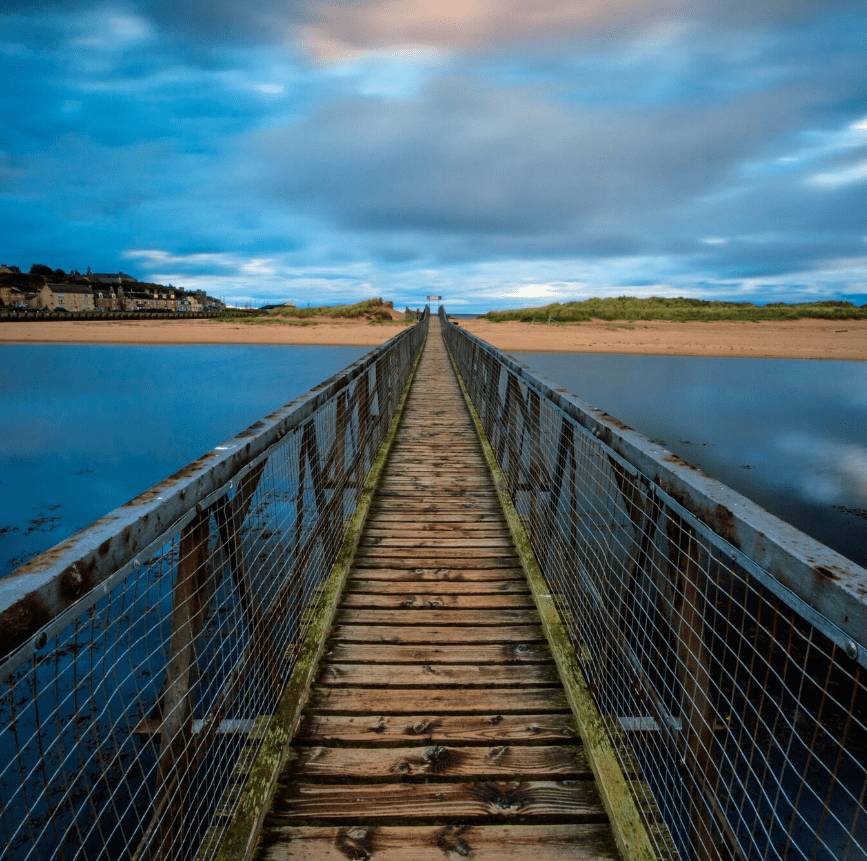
point(338, 29)
point(335, 29)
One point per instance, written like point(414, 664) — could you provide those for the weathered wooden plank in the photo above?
point(495, 762)
point(499, 653)
point(486, 801)
point(437, 635)
point(413, 507)
point(436, 543)
point(434, 494)
point(444, 553)
point(403, 521)
point(473, 469)
point(458, 484)
point(440, 616)
point(412, 531)
point(434, 490)
point(445, 701)
point(573, 842)
point(392, 558)
point(464, 588)
point(401, 730)
point(426, 425)
point(404, 600)
point(411, 573)
point(418, 447)
point(475, 474)
point(418, 451)
point(468, 465)
point(439, 675)
point(443, 433)
point(410, 442)
point(396, 522)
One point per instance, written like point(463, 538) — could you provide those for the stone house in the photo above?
point(105, 299)
point(164, 301)
point(12, 297)
point(194, 304)
point(70, 297)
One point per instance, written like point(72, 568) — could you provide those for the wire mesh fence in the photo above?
point(737, 709)
point(142, 659)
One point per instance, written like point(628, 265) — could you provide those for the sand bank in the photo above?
point(350, 333)
point(800, 339)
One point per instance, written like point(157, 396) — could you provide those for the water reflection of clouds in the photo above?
point(790, 435)
point(833, 472)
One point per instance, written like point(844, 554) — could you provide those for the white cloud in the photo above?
point(258, 266)
point(531, 291)
point(108, 30)
point(270, 89)
point(843, 176)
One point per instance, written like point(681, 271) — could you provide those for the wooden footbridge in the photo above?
point(437, 726)
point(435, 608)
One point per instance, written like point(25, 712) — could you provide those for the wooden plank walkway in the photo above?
point(437, 727)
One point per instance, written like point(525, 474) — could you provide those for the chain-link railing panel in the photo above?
point(136, 694)
point(738, 712)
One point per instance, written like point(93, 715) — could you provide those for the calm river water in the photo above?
point(83, 429)
point(790, 435)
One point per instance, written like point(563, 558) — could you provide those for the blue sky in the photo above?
point(499, 155)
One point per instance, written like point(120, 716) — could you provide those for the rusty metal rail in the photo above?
point(725, 649)
point(139, 658)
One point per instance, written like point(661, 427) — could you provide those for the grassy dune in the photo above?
point(677, 310)
point(370, 310)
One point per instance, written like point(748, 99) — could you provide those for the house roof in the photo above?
point(112, 277)
point(69, 288)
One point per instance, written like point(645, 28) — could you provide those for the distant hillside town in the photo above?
point(47, 289)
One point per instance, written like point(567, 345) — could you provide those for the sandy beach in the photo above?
point(349, 333)
point(800, 339)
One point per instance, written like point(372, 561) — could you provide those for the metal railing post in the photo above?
point(165, 835)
